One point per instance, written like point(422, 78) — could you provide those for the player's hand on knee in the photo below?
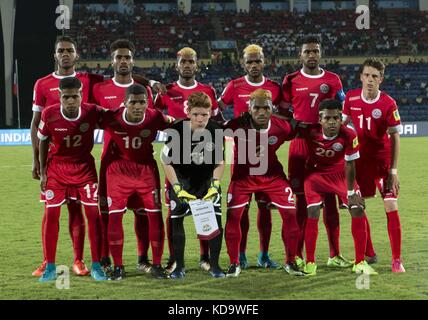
point(213, 191)
point(356, 201)
point(182, 194)
point(393, 184)
point(36, 169)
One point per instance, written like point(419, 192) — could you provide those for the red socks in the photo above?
point(311, 236)
point(94, 231)
point(301, 216)
point(116, 237)
point(233, 233)
point(359, 233)
point(394, 232)
point(156, 235)
point(141, 228)
point(331, 222)
point(77, 228)
point(105, 251)
point(264, 225)
point(290, 233)
point(51, 230)
point(369, 246)
point(245, 227)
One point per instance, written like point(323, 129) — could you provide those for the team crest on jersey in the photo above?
point(173, 204)
point(84, 127)
point(206, 228)
point(337, 147)
point(376, 113)
point(396, 115)
point(355, 142)
point(272, 140)
point(197, 157)
point(229, 197)
point(145, 133)
point(109, 202)
point(324, 88)
point(209, 146)
point(49, 195)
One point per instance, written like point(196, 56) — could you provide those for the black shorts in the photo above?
point(180, 209)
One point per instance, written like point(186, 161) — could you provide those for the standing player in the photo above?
point(331, 145)
point(134, 174)
point(375, 117)
point(66, 134)
point(198, 178)
point(237, 93)
point(175, 102)
point(303, 90)
point(269, 133)
point(46, 94)
point(110, 94)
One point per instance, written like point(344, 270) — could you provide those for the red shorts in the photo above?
point(130, 183)
point(134, 202)
point(298, 153)
point(372, 173)
point(71, 181)
point(275, 190)
point(318, 185)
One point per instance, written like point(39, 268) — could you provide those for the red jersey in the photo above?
point(46, 89)
point(237, 93)
point(134, 140)
point(278, 132)
point(70, 139)
point(371, 120)
point(175, 100)
point(328, 154)
point(110, 95)
point(305, 92)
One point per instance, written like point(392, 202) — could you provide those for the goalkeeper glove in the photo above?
point(213, 191)
point(182, 194)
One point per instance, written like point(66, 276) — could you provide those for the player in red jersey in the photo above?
point(375, 117)
point(46, 93)
point(302, 91)
point(333, 150)
point(66, 133)
point(110, 94)
point(134, 174)
point(258, 170)
point(237, 93)
point(174, 101)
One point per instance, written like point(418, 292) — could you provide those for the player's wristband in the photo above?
point(393, 171)
point(351, 193)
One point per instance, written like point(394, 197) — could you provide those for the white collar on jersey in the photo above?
point(370, 101)
point(254, 84)
point(313, 76)
point(263, 130)
point(123, 85)
point(62, 77)
point(71, 119)
point(187, 88)
point(132, 123)
point(329, 138)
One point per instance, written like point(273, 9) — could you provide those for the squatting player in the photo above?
point(302, 91)
point(175, 102)
point(134, 174)
point(271, 184)
point(197, 178)
point(46, 93)
point(110, 94)
point(66, 134)
point(375, 117)
point(333, 150)
point(237, 93)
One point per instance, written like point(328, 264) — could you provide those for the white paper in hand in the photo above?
point(204, 218)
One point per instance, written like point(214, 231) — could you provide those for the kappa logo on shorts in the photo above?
point(84, 127)
point(173, 204)
point(229, 197)
point(337, 147)
point(272, 140)
point(376, 113)
point(49, 194)
point(145, 133)
point(324, 88)
point(109, 202)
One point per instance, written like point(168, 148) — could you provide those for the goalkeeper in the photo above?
point(193, 161)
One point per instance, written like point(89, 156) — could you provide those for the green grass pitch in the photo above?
point(21, 252)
